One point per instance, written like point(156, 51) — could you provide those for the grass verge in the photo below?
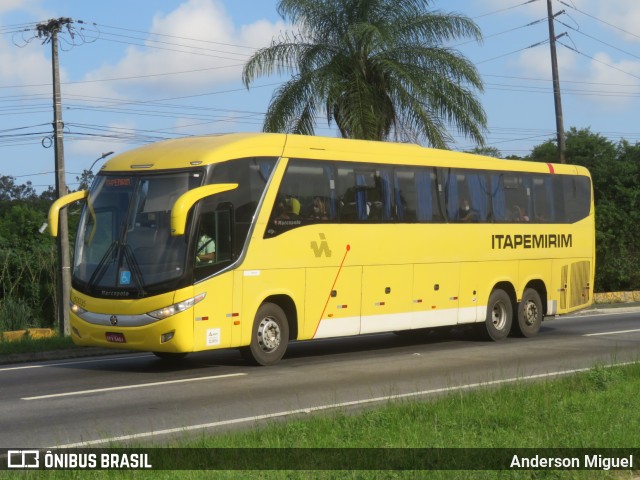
point(596, 409)
point(27, 344)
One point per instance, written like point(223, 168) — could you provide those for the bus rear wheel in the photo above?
point(529, 314)
point(269, 336)
point(499, 316)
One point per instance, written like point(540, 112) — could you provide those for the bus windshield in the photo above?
point(124, 245)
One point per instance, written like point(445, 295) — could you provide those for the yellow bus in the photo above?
point(255, 240)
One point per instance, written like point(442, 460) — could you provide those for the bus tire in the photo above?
point(269, 335)
point(529, 314)
point(499, 316)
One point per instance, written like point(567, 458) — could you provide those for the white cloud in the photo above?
point(26, 66)
point(536, 63)
point(197, 36)
point(11, 5)
point(81, 152)
point(618, 17)
point(615, 81)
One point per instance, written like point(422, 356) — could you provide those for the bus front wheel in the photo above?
point(269, 336)
point(529, 314)
point(499, 316)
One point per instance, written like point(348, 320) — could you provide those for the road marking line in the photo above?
point(596, 313)
point(127, 387)
point(353, 403)
point(79, 362)
point(610, 333)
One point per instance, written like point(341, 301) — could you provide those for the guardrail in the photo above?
point(617, 297)
point(29, 332)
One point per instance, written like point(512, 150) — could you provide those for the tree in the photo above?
point(487, 152)
point(10, 191)
point(377, 68)
point(27, 263)
point(85, 179)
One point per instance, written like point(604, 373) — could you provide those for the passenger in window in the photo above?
point(466, 213)
point(288, 213)
point(519, 214)
point(293, 206)
point(319, 210)
point(288, 208)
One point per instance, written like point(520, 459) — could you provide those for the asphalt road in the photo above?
point(137, 397)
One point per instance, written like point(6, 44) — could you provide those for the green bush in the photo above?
point(15, 314)
point(27, 288)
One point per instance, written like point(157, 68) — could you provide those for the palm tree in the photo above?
point(378, 68)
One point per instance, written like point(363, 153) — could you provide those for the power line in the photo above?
point(485, 37)
point(581, 82)
point(598, 40)
point(202, 54)
point(599, 19)
point(179, 38)
point(599, 61)
point(543, 42)
point(504, 9)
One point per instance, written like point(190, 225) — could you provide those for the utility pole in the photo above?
point(556, 82)
point(50, 31)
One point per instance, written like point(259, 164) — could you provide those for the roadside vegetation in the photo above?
point(27, 344)
point(595, 409)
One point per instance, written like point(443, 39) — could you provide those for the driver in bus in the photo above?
point(206, 248)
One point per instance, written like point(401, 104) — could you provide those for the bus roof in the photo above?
point(193, 151)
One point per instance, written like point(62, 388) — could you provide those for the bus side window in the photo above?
point(543, 199)
point(498, 203)
point(478, 191)
point(365, 194)
point(577, 197)
point(517, 190)
point(405, 196)
point(305, 196)
point(416, 195)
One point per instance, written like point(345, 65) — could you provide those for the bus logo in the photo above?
point(322, 248)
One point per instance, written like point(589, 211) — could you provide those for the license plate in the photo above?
point(115, 337)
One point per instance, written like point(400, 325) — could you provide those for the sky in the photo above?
point(138, 71)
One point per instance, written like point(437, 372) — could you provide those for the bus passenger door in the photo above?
point(435, 294)
point(213, 315)
point(386, 298)
point(332, 302)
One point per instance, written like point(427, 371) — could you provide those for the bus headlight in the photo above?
point(166, 312)
point(77, 309)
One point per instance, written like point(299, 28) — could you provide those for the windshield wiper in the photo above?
point(113, 253)
point(100, 270)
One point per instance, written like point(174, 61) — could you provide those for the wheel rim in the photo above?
point(269, 335)
point(499, 315)
point(530, 313)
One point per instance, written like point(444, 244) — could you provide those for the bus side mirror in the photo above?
point(54, 211)
point(188, 199)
